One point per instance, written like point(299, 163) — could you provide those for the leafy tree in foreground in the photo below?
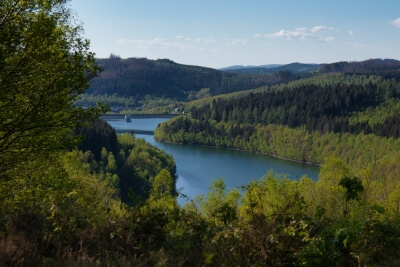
point(44, 65)
point(353, 188)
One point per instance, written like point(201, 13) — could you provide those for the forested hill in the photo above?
point(325, 105)
point(138, 77)
point(383, 67)
point(386, 68)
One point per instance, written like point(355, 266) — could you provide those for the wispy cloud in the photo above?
point(156, 42)
point(396, 22)
point(209, 39)
point(327, 39)
point(237, 42)
point(182, 43)
point(351, 33)
point(212, 40)
point(142, 43)
point(317, 33)
point(357, 45)
point(289, 35)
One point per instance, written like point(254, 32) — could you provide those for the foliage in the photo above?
point(112, 100)
point(353, 188)
point(44, 65)
point(96, 136)
point(345, 217)
point(275, 221)
point(387, 68)
point(122, 161)
point(219, 205)
point(65, 207)
point(307, 120)
point(276, 140)
point(128, 105)
point(323, 108)
point(52, 211)
point(140, 166)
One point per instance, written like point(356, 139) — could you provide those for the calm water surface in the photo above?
point(198, 166)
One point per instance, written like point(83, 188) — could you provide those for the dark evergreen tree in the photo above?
point(96, 136)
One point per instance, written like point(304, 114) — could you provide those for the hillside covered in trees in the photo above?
point(138, 77)
point(125, 163)
point(324, 108)
point(331, 104)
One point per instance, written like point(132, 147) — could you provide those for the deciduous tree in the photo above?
point(44, 65)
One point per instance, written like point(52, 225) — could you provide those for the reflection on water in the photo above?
point(198, 166)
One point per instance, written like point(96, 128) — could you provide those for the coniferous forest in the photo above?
point(73, 192)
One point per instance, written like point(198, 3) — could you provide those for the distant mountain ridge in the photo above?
point(296, 67)
point(267, 69)
point(239, 67)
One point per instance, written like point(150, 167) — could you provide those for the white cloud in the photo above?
point(303, 34)
point(289, 35)
point(351, 33)
point(237, 41)
point(396, 22)
point(322, 28)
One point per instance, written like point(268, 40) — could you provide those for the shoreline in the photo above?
point(248, 151)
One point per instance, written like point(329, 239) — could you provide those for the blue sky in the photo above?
point(222, 33)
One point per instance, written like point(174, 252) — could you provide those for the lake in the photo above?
point(198, 166)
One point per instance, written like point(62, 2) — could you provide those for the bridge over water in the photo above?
point(143, 116)
point(138, 125)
